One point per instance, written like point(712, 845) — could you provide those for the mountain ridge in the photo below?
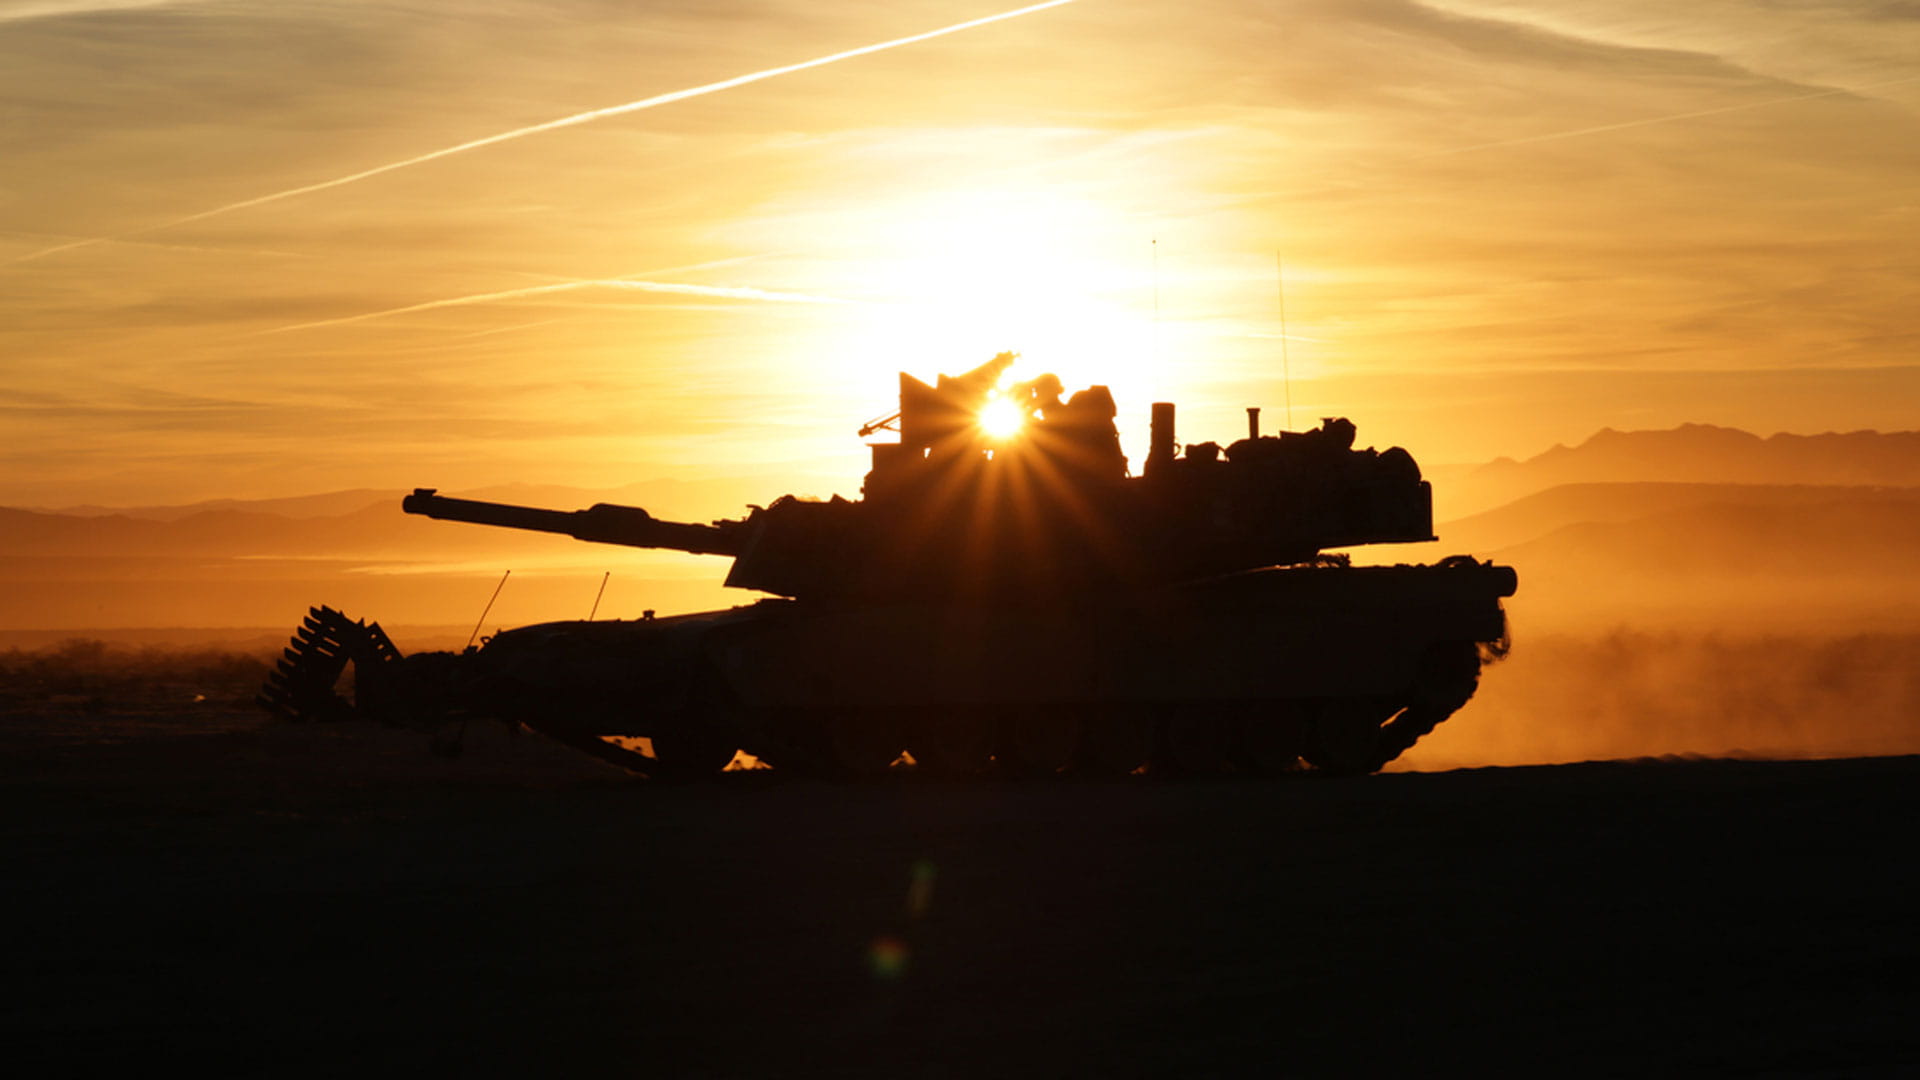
point(1689, 453)
point(1621, 527)
point(1615, 502)
point(666, 497)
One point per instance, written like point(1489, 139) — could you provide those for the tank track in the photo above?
point(813, 749)
point(426, 691)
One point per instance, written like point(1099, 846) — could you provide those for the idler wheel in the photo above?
point(690, 751)
point(1114, 744)
point(1039, 742)
point(1192, 743)
point(952, 742)
point(862, 742)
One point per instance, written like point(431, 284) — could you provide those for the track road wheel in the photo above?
point(1039, 742)
point(952, 742)
point(1271, 743)
point(1192, 743)
point(691, 751)
point(1114, 744)
point(862, 743)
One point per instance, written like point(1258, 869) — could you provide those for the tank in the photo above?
point(1006, 596)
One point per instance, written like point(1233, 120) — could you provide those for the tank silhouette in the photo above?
point(1016, 602)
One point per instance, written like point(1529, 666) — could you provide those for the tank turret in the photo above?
point(1043, 506)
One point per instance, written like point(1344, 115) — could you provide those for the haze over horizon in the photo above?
point(1503, 227)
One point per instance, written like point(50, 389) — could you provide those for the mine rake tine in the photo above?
point(301, 685)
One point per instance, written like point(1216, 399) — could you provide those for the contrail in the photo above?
point(29, 9)
point(552, 125)
point(726, 292)
point(1644, 121)
point(661, 271)
point(1336, 186)
point(199, 249)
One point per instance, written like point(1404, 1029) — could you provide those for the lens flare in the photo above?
point(888, 956)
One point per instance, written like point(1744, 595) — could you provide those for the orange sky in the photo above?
point(1505, 225)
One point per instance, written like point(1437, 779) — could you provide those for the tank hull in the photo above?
point(1287, 647)
point(1272, 633)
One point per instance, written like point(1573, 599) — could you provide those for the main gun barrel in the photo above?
point(602, 523)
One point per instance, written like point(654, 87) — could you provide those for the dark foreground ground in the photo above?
point(310, 900)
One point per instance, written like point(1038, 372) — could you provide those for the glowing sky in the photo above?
point(1504, 225)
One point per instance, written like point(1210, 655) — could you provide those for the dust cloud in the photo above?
point(1618, 694)
point(1626, 693)
point(89, 690)
point(89, 666)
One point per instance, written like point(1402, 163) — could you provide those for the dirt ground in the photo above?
point(201, 885)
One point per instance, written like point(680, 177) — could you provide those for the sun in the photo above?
point(1001, 418)
point(951, 277)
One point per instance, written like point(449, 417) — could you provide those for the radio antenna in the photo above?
point(598, 595)
point(1286, 366)
point(489, 607)
point(1156, 301)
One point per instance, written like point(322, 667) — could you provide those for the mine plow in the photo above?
point(429, 692)
point(302, 685)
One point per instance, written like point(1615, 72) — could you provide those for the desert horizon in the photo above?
point(1649, 530)
point(1651, 564)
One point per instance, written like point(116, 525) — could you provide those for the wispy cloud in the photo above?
point(674, 288)
point(20, 10)
point(210, 249)
point(574, 120)
point(1673, 117)
point(1268, 335)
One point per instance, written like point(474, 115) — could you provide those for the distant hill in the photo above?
point(1788, 561)
point(1740, 558)
point(1536, 515)
point(350, 524)
point(1700, 523)
point(226, 563)
point(330, 504)
point(379, 532)
point(1691, 454)
point(1846, 536)
point(682, 499)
